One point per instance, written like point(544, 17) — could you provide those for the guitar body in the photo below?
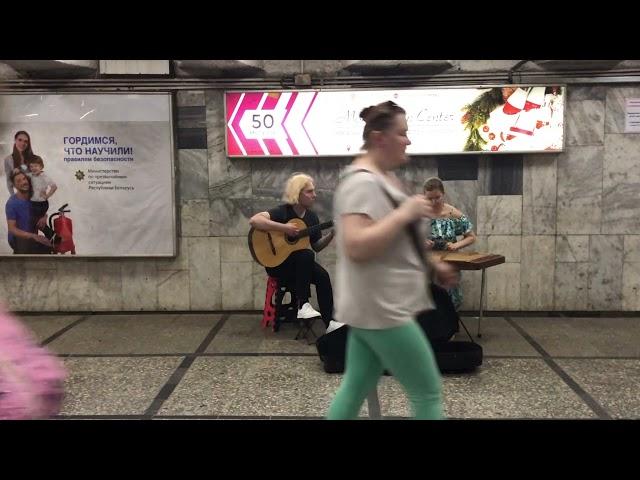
point(272, 248)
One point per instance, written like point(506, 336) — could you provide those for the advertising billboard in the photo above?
point(316, 123)
point(87, 174)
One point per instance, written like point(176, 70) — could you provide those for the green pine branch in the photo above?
point(477, 114)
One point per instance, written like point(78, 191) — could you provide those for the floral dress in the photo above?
point(448, 229)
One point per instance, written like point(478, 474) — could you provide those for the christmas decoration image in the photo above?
point(515, 118)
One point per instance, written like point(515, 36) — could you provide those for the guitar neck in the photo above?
point(308, 231)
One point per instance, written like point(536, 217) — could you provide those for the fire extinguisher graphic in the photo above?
point(63, 228)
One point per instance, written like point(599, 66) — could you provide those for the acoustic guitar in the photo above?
point(271, 248)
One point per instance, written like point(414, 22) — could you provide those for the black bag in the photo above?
point(451, 356)
point(442, 323)
point(457, 357)
point(439, 325)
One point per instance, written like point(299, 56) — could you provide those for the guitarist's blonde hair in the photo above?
point(296, 183)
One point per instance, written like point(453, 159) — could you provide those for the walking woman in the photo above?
point(381, 278)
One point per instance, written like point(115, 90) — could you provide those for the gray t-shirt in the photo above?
point(386, 291)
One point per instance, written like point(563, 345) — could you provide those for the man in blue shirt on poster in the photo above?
point(23, 231)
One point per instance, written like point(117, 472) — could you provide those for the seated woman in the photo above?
point(449, 224)
point(300, 269)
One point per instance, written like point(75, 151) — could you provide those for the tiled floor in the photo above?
point(227, 366)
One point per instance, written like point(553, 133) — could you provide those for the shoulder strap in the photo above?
point(412, 229)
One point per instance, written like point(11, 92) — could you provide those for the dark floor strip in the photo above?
point(121, 355)
point(235, 417)
point(514, 313)
point(293, 417)
point(64, 330)
point(569, 314)
point(564, 357)
point(598, 409)
point(300, 354)
point(168, 388)
point(240, 417)
point(183, 417)
point(152, 355)
point(209, 338)
point(579, 357)
point(259, 354)
point(186, 417)
point(99, 417)
point(511, 357)
point(136, 312)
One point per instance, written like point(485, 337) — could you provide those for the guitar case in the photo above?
point(439, 326)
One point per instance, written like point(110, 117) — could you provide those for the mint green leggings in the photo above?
point(402, 350)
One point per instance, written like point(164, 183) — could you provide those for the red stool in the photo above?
point(269, 313)
point(276, 312)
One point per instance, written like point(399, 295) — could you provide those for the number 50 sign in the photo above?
point(268, 123)
point(260, 124)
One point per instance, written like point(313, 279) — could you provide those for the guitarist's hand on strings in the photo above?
point(290, 230)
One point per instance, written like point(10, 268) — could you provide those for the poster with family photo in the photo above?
point(87, 175)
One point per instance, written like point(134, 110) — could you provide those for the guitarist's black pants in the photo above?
point(300, 270)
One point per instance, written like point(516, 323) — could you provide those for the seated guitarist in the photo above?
point(300, 269)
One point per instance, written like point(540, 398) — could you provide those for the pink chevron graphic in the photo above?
point(238, 144)
point(233, 148)
point(238, 104)
point(250, 102)
point(271, 101)
point(272, 146)
point(305, 117)
point(288, 109)
point(232, 100)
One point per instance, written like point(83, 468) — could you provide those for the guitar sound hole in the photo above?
point(290, 239)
